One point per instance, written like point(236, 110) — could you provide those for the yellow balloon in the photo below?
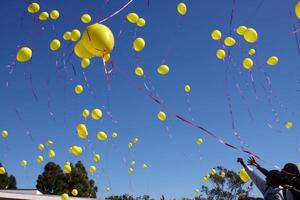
point(64, 196)
point(23, 163)
point(114, 135)
point(4, 134)
point(67, 35)
point(33, 8)
point(82, 131)
point(76, 150)
point(93, 169)
point(50, 142)
point(213, 171)
point(51, 153)
point(86, 18)
point(40, 159)
point(55, 45)
point(248, 63)
point(41, 147)
point(135, 140)
point(81, 51)
point(74, 192)
point(97, 157)
point(2, 170)
point(251, 52)
point(297, 9)
point(107, 189)
point(250, 35)
point(241, 30)
point(139, 71)
point(187, 88)
point(289, 125)
point(130, 170)
point(130, 145)
point(85, 62)
point(43, 16)
point(67, 168)
point(273, 60)
point(97, 114)
point(181, 8)
point(141, 22)
point(220, 54)
point(78, 89)
point(144, 166)
point(244, 176)
point(163, 69)
point(98, 39)
point(133, 18)
point(54, 14)
point(162, 116)
point(75, 35)
point(106, 57)
point(196, 191)
point(85, 113)
point(216, 35)
point(101, 136)
point(229, 41)
point(199, 141)
point(24, 54)
point(139, 44)
point(223, 174)
point(132, 163)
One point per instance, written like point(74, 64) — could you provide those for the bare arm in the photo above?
point(252, 162)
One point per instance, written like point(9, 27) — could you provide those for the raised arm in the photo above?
point(252, 162)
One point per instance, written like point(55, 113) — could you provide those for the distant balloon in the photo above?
point(273, 60)
point(289, 125)
point(216, 35)
point(248, 63)
point(64, 196)
point(223, 174)
point(130, 145)
point(97, 157)
point(54, 14)
point(43, 16)
point(220, 54)
point(141, 22)
point(24, 54)
point(199, 141)
point(229, 41)
point(85, 113)
point(213, 171)
point(162, 116)
point(4, 134)
point(241, 30)
point(101, 136)
point(114, 135)
point(133, 18)
point(93, 169)
point(75, 150)
point(187, 88)
point(196, 191)
point(139, 71)
point(97, 114)
point(86, 18)
point(40, 159)
point(130, 170)
point(132, 163)
point(251, 52)
point(139, 44)
point(250, 35)
point(55, 45)
point(33, 8)
point(50, 142)
point(82, 131)
point(67, 35)
point(144, 166)
point(2, 170)
point(67, 168)
point(74, 192)
point(51, 153)
point(41, 147)
point(244, 176)
point(23, 163)
point(75, 35)
point(163, 69)
point(181, 8)
point(78, 89)
point(135, 140)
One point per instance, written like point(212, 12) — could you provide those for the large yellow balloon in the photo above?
point(75, 35)
point(54, 14)
point(241, 30)
point(24, 54)
point(40, 159)
point(98, 39)
point(244, 176)
point(133, 18)
point(43, 16)
point(229, 41)
point(74, 192)
point(4, 134)
point(85, 113)
point(216, 35)
point(51, 153)
point(67, 168)
point(78, 89)
point(289, 125)
point(64, 196)
point(55, 45)
point(187, 88)
point(33, 8)
point(248, 63)
point(273, 60)
point(139, 44)
point(93, 169)
point(181, 8)
point(220, 54)
point(67, 35)
point(250, 35)
point(23, 163)
point(82, 131)
point(86, 18)
point(97, 114)
point(41, 147)
point(297, 9)
point(141, 22)
point(139, 71)
point(97, 157)
point(81, 51)
point(101, 136)
point(163, 69)
point(2, 170)
point(85, 62)
point(162, 116)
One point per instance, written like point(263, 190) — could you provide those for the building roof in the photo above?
point(31, 194)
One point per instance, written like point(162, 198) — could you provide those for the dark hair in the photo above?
point(290, 169)
point(273, 178)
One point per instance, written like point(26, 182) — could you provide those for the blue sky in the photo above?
point(176, 163)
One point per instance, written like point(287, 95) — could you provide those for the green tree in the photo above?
point(7, 182)
point(52, 180)
point(224, 188)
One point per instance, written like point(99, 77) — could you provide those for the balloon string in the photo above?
point(115, 13)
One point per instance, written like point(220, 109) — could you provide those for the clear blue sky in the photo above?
point(176, 163)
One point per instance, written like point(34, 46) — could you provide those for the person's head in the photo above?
point(289, 171)
point(243, 196)
point(273, 178)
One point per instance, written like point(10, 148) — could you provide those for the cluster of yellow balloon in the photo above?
point(135, 19)
point(34, 8)
point(4, 134)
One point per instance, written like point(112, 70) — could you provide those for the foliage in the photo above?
point(7, 181)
